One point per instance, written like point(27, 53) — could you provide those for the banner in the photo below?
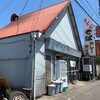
point(97, 31)
point(98, 47)
point(89, 37)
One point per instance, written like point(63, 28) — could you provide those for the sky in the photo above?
point(8, 7)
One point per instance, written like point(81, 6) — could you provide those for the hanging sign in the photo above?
point(72, 63)
point(89, 39)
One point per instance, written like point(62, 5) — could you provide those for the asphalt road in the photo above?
point(92, 94)
point(89, 91)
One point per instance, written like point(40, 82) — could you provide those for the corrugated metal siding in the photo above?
point(40, 68)
point(62, 30)
point(15, 61)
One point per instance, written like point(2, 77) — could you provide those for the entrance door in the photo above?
point(48, 70)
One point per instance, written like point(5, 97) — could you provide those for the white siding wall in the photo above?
point(62, 30)
point(40, 68)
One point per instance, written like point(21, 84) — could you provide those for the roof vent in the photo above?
point(14, 17)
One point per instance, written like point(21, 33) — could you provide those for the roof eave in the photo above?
point(75, 27)
point(21, 34)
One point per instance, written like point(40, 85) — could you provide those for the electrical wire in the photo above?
point(21, 14)
point(37, 15)
point(86, 12)
point(56, 30)
point(7, 6)
point(24, 7)
point(92, 8)
point(87, 7)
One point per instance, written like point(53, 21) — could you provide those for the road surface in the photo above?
point(89, 91)
point(92, 94)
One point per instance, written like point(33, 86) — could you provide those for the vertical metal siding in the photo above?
point(40, 68)
point(62, 30)
point(15, 60)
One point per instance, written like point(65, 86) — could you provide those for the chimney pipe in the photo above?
point(14, 17)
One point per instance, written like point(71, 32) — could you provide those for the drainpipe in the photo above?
point(34, 69)
point(33, 83)
point(68, 65)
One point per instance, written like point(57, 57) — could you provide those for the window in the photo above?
point(87, 61)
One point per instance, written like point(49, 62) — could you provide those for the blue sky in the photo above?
point(80, 14)
point(8, 7)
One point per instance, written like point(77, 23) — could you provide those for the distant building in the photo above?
point(97, 47)
point(97, 31)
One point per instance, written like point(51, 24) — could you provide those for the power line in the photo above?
point(24, 7)
point(7, 6)
point(87, 7)
point(99, 2)
point(99, 7)
point(92, 8)
point(37, 14)
point(86, 12)
point(20, 15)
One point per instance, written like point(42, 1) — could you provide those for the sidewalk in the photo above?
point(77, 84)
point(61, 96)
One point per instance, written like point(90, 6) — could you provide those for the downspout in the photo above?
point(33, 82)
point(68, 65)
point(34, 71)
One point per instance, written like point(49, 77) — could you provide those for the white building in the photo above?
point(41, 47)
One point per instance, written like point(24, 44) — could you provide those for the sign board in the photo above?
point(97, 31)
point(54, 45)
point(72, 63)
point(89, 37)
point(98, 47)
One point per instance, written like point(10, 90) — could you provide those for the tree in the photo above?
point(97, 60)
